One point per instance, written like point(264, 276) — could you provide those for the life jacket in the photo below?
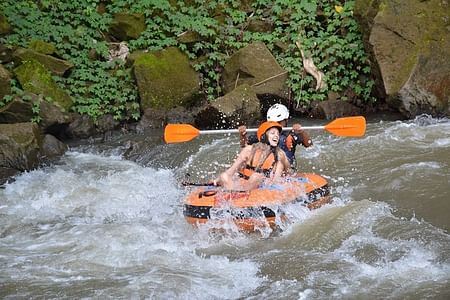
point(265, 167)
point(288, 143)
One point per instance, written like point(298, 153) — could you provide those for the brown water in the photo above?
point(106, 222)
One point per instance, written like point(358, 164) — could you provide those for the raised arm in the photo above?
point(306, 139)
point(243, 135)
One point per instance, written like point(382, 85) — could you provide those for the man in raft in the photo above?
point(261, 162)
point(288, 140)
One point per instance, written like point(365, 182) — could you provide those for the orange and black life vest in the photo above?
point(265, 167)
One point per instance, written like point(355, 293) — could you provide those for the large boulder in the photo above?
point(240, 106)
point(52, 118)
point(127, 26)
point(410, 41)
point(55, 65)
point(427, 91)
point(52, 147)
point(23, 148)
point(36, 79)
point(255, 66)
point(20, 146)
point(7, 175)
point(82, 126)
point(166, 79)
point(16, 111)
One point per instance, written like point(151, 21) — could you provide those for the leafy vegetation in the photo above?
point(325, 29)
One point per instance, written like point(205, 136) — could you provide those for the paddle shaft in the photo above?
point(184, 183)
point(346, 126)
point(216, 131)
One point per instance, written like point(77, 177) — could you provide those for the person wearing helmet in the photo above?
point(258, 162)
point(288, 140)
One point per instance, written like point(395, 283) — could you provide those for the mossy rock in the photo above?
point(126, 26)
point(36, 79)
point(401, 33)
point(42, 47)
point(5, 28)
point(255, 65)
point(166, 80)
point(55, 65)
point(409, 41)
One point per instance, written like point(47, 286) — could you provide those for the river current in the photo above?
point(106, 222)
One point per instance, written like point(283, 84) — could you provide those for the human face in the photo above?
point(273, 136)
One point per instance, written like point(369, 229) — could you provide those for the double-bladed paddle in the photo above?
point(347, 126)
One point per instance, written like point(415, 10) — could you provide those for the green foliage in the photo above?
point(77, 29)
point(36, 109)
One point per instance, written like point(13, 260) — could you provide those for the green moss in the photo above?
point(42, 47)
point(166, 79)
point(34, 78)
point(5, 28)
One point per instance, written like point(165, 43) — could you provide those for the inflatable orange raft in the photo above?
point(256, 208)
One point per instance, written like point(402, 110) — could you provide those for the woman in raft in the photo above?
point(257, 163)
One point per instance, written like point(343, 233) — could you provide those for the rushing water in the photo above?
point(106, 221)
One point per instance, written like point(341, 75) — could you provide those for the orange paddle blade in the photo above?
point(348, 126)
point(177, 133)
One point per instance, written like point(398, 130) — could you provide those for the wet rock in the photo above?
point(6, 175)
point(106, 123)
point(241, 106)
point(81, 127)
point(151, 118)
point(52, 147)
point(20, 146)
point(332, 109)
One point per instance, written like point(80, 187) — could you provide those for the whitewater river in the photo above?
point(106, 222)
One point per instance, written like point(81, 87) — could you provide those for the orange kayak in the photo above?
point(253, 209)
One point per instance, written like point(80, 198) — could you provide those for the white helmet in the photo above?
point(277, 113)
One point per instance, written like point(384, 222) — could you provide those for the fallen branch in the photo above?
point(270, 78)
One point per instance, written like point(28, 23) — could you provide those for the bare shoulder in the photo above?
point(247, 149)
point(245, 152)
